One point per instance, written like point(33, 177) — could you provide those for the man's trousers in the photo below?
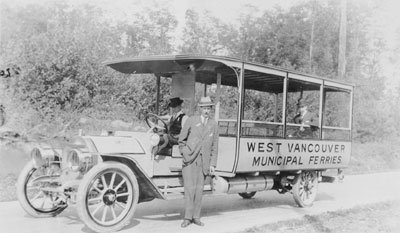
point(193, 182)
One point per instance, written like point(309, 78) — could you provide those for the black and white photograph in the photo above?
point(217, 116)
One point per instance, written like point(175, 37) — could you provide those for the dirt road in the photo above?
point(225, 213)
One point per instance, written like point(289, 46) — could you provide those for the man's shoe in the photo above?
point(185, 223)
point(198, 222)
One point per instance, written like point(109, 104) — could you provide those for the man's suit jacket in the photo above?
point(197, 138)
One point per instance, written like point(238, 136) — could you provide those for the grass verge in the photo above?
point(379, 217)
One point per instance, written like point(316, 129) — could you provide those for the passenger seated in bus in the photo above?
point(175, 122)
point(306, 118)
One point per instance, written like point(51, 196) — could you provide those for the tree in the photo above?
point(151, 32)
point(61, 59)
point(203, 34)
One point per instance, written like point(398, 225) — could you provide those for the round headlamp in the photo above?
point(154, 139)
point(73, 160)
point(41, 157)
point(78, 160)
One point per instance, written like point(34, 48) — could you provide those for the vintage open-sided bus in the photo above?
point(262, 144)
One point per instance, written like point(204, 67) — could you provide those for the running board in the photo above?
point(329, 179)
point(333, 179)
point(178, 192)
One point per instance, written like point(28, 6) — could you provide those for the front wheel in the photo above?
point(107, 197)
point(32, 194)
point(305, 188)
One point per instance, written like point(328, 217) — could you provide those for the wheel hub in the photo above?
point(307, 186)
point(109, 197)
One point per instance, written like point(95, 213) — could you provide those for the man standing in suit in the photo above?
point(198, 143)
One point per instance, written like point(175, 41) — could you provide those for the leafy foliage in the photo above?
point(59, 50)
point(202, 34)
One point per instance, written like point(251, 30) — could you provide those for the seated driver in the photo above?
point(176, 121)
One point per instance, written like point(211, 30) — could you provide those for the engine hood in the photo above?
point(117, 145)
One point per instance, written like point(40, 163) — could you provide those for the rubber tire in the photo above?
point(300, 185)
point(87, 181)
point(22, 198)
point(247, 195)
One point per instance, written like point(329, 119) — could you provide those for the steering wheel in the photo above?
point(152, 121)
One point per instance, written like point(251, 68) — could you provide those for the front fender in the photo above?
point(148, 190)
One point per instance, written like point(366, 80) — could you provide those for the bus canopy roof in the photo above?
point(257, 76)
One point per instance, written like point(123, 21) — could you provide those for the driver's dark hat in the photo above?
point(174, 102)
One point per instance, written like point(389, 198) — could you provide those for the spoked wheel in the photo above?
point(247, 195)
point(33, 196)
point(107, 197)
point(305, 189)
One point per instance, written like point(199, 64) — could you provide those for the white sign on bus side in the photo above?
point(275, 154)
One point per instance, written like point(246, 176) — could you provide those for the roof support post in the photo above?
point(351, 114)
point(322, 101)
point(285, 91)
point(217, 98)
point(240, 115)
point(158, 83)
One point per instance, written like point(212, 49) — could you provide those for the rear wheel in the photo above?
point(305, 189)
point(32, 194)
point(107, 197)
point(247, 195)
